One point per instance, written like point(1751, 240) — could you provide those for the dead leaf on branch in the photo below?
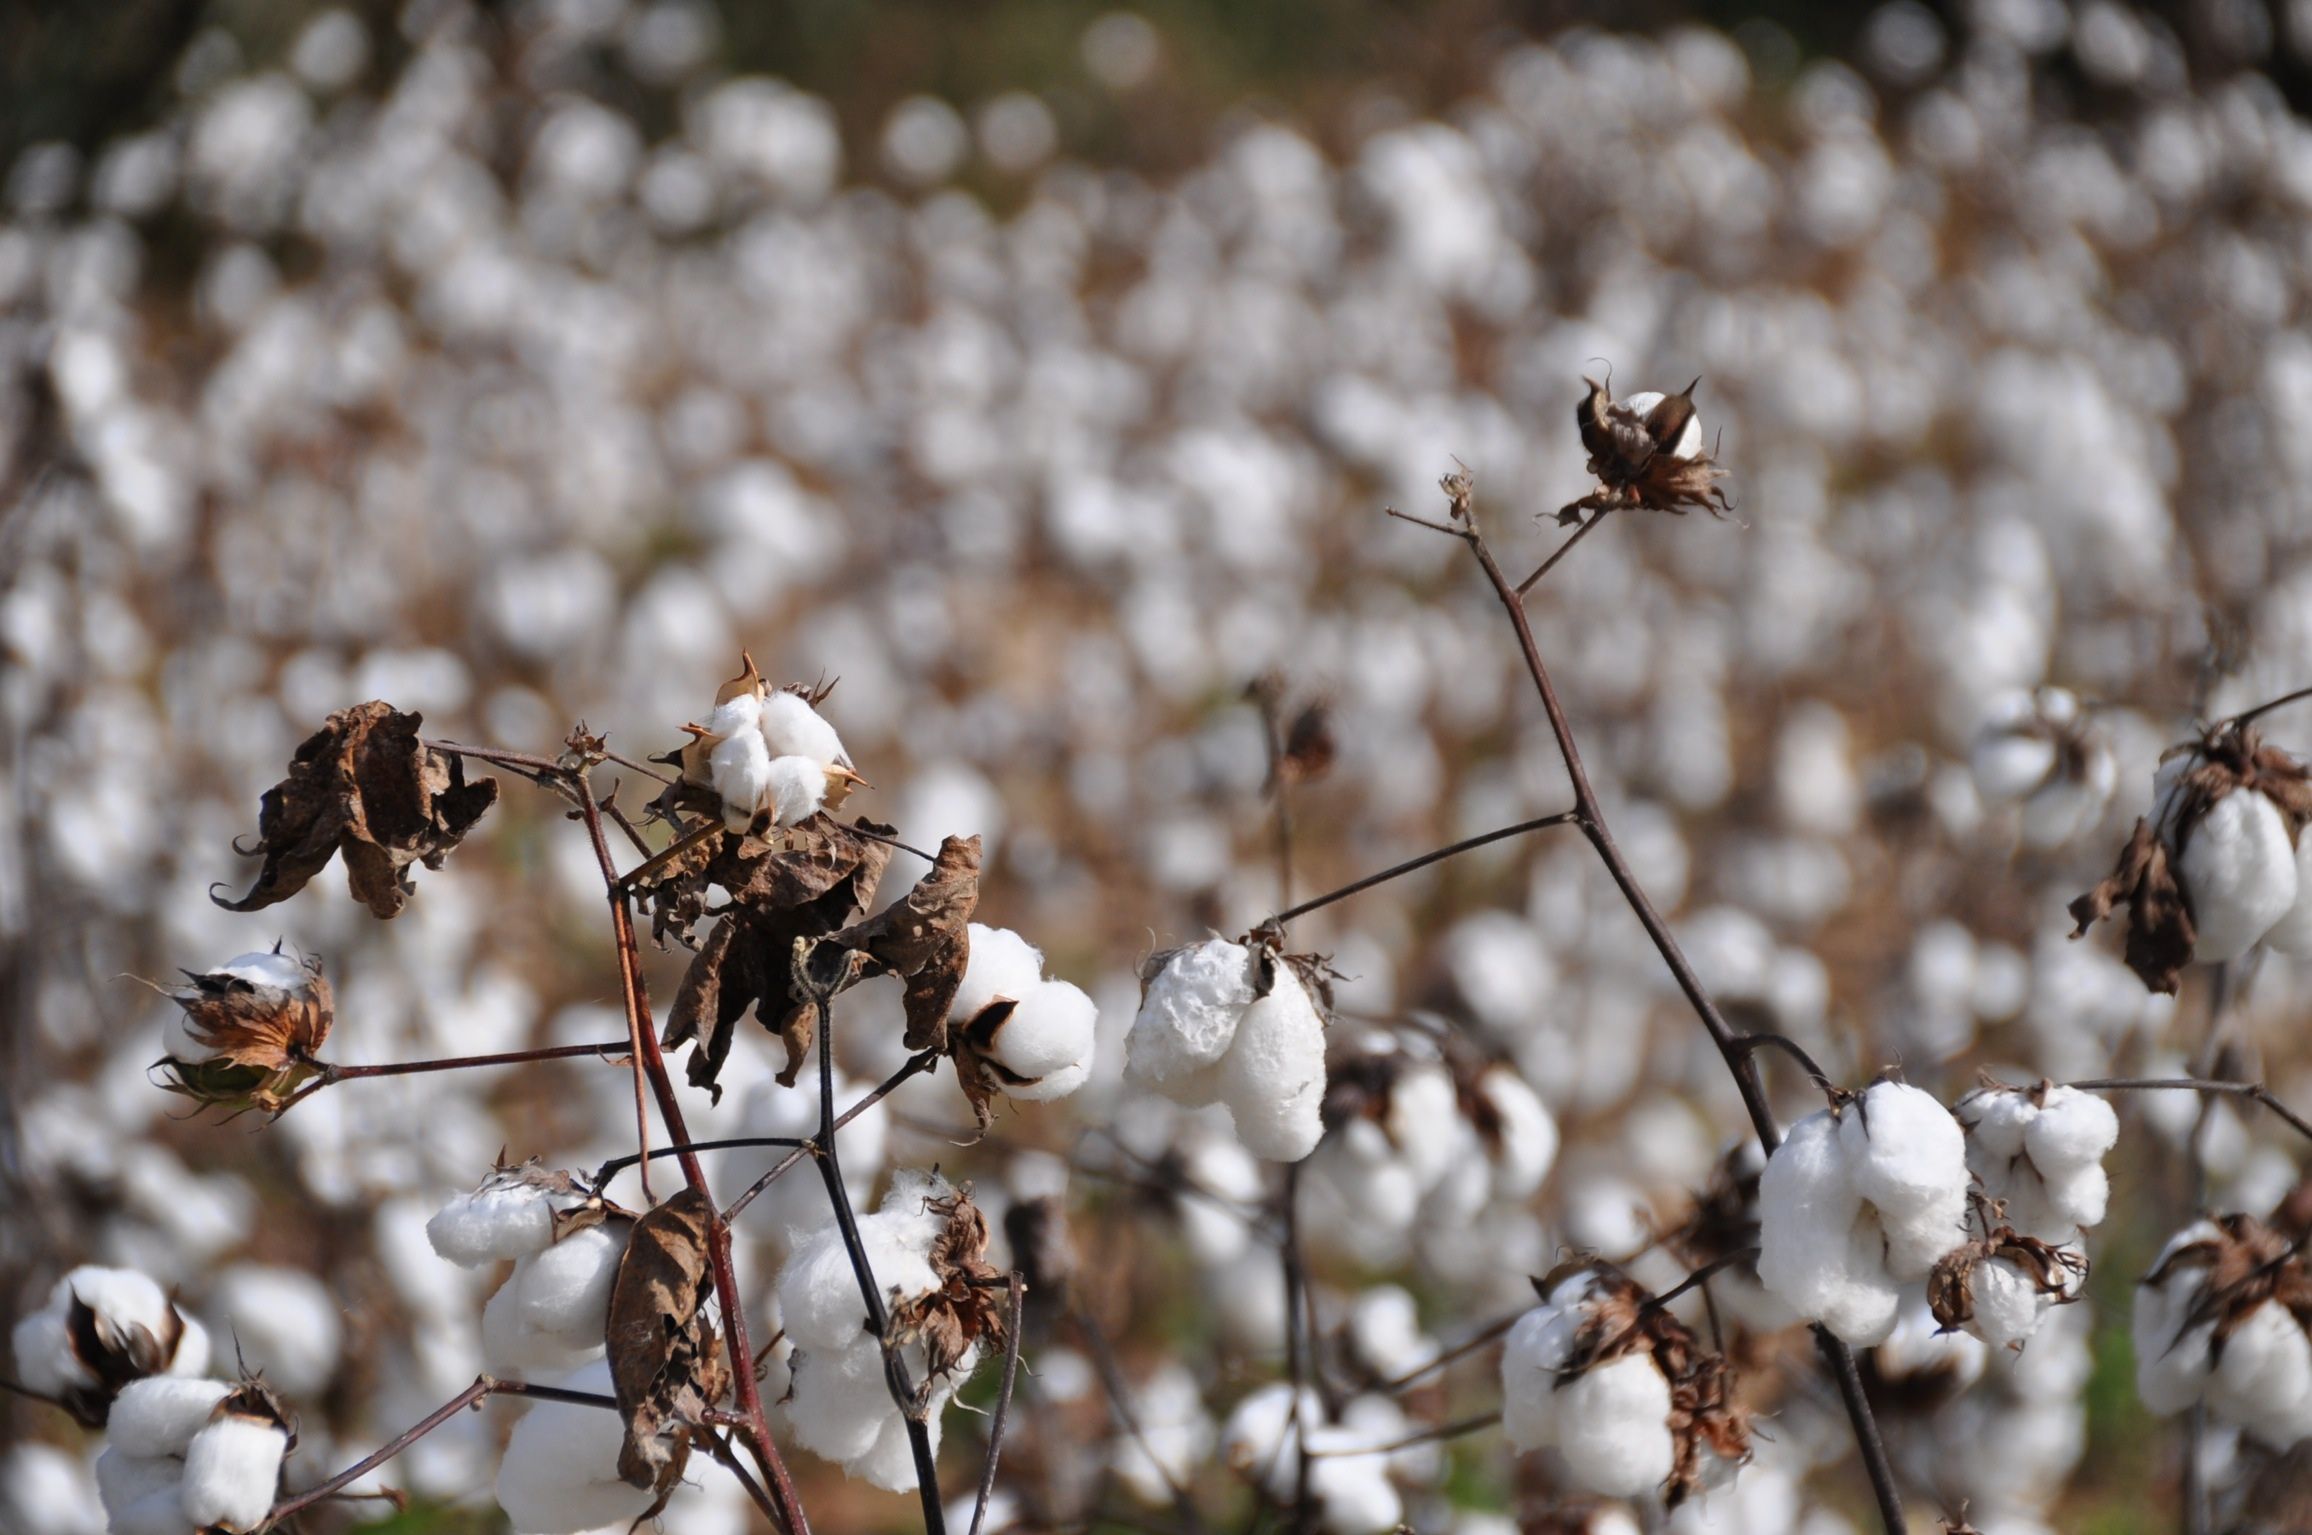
point(365, 785)
point(968, 1307)
point(923, 938)
point(665, 1368)
point(2160, 933)
point(778, 894)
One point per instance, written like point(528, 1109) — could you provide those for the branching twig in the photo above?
point(1453, 1430)
point(1564, 549)
point(1395, 871)
point(916, 1065)
point(1011, 1369)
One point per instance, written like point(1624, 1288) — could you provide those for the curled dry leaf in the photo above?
point(665, 1368)
point(2056, 1272)
point(778, 894)
point(2160, 934)
point(366, 785)
point(923, 938)
point(968, 1306)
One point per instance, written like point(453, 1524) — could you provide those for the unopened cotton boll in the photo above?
point(1273, 1076)
point(1000, 963)
point(1047, 1041)
point(1189, 1012)
point(560, 1472)
point(232, 1469)
point(159, 1415)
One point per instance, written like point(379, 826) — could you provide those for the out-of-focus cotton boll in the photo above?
point(99, 1327)
point(284, 1322)
point(560, 1472)
point(1273, 1076)
point(1385, 1328)
point(1354, 1493)
point(1175, 1435)
point(159, 1415)
point(47, 1488)
point(1919, 1353)
point(1189, 1012)
point(2292, 934)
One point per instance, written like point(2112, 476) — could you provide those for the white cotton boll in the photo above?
point(1273, 1077)
point(795, 729)
point(1258, 1438)
point(121, 1298)
point(1175, 1435)
point(736, 715)
point(1908, 1157)
point(192, 1355)
point(2171, 1366)
point(159, 1513)
point(123, 1479)
point(513, 1349)
point(2008, 1303)
point(45, 1362)
point(739, 768)
point(840, 1401)
point(560, 1472)
point(1819, 1251)
point(232, 1468)
point(1527, 1144)
point(2239, 870)
point(1385, 1329)
point(1918, 1347)
point(263, 967)
point(1614, 1428)
point(505, 1218)
point(1424, 1121)
point(565, 1290)
point(2080, 1197)
point(1188, 1018)
point(794, 789)
point(2264, 1377)
point(2292, 934)
point(2072, 1129)
point(1535, 1351)
point(1000, 964)
point(286, 1323)
point(2008, 765)
point(160, 1414)
point(1054, 1085)
point(1050, 1030)
point(2067, 805)
point(1996, 1121)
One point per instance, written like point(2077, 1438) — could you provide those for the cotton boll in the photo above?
point(512, 1349)
point(159, 1415)
point(160, 1513)
point(1051, 1030)
point(560, 1472)
point(794, 729)
point(1259, 1438)
point(1919, 1350)
point(1817, 1250)
point(1997, 1121)
point(1614, 1428)
point(2171, 1348)
point(123, 1480)
point(232, 1469)
point(1908, 1157)
point(840, 1402)
point(2239, 870)
point(1001, 964)
point(2080, 1197)
point(2008, 1303)
point(2292, 934)
point(2264, 1376)
point(286, 1324)
point(739, 768)
point(565, 1290)
point(1526, 1145)
point(1273, 1077)
point(1423, 1120)
point(1385, 1329)
point(794, 789)
point(1537, 1348)
point(2072, 1129)
point(1175, 1435)
point(45, 1362)
point(2009, 766)
point(1188, 1018)
point(738, 714)
point(509, 1216)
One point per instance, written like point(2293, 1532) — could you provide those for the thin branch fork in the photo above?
point(2255, 1092)
point(1590, 816)
point(916, 1066)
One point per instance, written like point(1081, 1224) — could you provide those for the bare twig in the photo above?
point(617, 1165)
point(1564, 549)
point(1011, 1369)
point(2255, 1092)
point(1453, 1430)
point(1120, 1408)
point(1490, 1332)
point(1396, 871)
point(916, 1065)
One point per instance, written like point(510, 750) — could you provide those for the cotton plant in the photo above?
point(100, 1330)
point(1858, 1200)
point(2219, 1320)
point(1619, 1391)
point(2219, 863)
point(1220, 1022)
point(185, 1454)
point(2036, 750)
point(548, 1317)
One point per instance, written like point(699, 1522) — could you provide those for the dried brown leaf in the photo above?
point(968, 1307)
point(367, 786)
point(665, 1368)
point(2160, 933)
point(923, 938)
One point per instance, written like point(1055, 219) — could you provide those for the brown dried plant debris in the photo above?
point(665, 1366)
point(924, 938)
point(1636, 461)
point(116, 1352)
point(2244, 1265)
point(2057, 1272)
point(1621, 1318)
point(779, 894)
point(2160, 930)
point(364, 784)
point(248, 1024)
point(968, 1307)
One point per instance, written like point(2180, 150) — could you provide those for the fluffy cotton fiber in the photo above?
point(1609, 1424)
point(560, 1473)
point(1273, 1076)
point(232, 1468)
point(1819, 1243)
point(1187, 1020)
point(511, 1215)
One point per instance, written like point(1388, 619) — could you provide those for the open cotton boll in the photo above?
point(794, 729)
point(565, 1290)
point(2239, 870)
point(1907, 1156)
point(1817, 1250)
point(1000, 964)
point(1385, 1329)
point(794, 790)
point(2171, 1346)
point(286, 1323)
point(1258, 1439)
point(739, 767)
point(1050, 1031)
point(45, 1362)
point(560, 1472)
point(1175, 1435)
point(2292, 934)
point(159, 1513)
point(2263, 1379)
point(1614, 1428)
point(1538, 1346)
point(123, 1479)
point(2008, 764)
point(1918, 1350)
point(232, 1469)
point(1996, 1120)
point(1188, 1018)
point(2008, 1303)
point(264, 967)
point(2072, 1129)
point(513, 1349)
point(1273, 1077)
point(840, 1401)
point(510, 1216)
point(1525, 1143)
point(738, 714)
point(160, 1414)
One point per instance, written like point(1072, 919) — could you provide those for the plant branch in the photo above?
point(1011, 1369)
point(617, 1165)
point(1120, 1408)
point(1396, 871)
point(332, 1073)
point(1564, 549)
point(1453, 1430)
point(2255, 1092)
point(916, 1065)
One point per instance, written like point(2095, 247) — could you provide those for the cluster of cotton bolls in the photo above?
point(1223, 1023)
point(547, 1319)
point(1354, 1459)
point(2218, 1321)
point(188, 1455)
point(2039, 1152)
point(586, 394)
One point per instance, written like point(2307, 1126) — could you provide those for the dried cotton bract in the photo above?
point(1856, 1201)
point(248, 1033)
point(1222, 1022)
point(2220, 1319)
point(2215, 868)
point(1646, 451)
point(102, 1329)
